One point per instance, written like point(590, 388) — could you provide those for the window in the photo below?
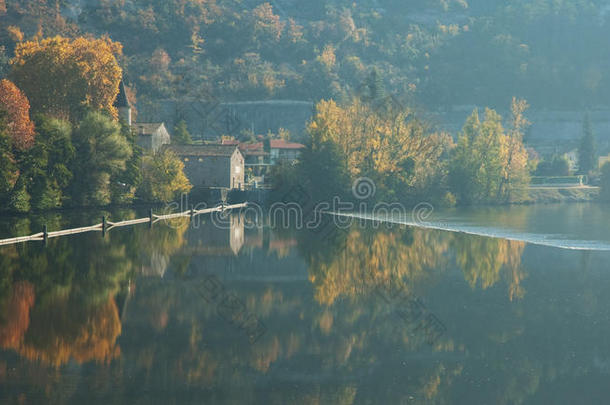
point(237, 169)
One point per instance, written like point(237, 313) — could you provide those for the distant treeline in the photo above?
point(438, 53)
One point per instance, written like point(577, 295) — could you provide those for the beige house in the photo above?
point(211, 166)
point(151, 136)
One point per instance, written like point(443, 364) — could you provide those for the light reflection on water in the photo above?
point(121, 319)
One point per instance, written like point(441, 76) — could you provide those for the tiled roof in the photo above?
point(146, 128)
point(121, 98)
point(282, 144)
point(202, 150)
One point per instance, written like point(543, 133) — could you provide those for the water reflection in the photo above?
point(122, 316)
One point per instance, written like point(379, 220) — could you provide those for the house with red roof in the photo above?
point(284, 151)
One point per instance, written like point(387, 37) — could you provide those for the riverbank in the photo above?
point(550, 195)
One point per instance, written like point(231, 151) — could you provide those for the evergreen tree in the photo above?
point(125, 183)
point(8, 168)
point(374, 90)
point(101, 153)
point(47, 163)
point(181, 134)
point(587, 154)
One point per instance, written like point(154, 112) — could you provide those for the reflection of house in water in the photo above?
point(212, 238)
point(265, 239)
point(156, 265)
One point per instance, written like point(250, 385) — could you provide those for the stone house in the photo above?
point(211, 166)
point(151, 136)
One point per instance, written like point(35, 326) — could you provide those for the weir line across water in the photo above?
point(106, 226)
point(489, 232)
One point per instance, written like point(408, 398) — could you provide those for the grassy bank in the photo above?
point(548, 195)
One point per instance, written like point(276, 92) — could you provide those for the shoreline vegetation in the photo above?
point(62, 144)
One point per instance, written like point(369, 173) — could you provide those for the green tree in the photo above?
point(47, 164)
point(374, 89)
point(476, 167)
point(9, 172)
point(604, 194)
point(181, 134)
point(587, 151)
point(556, 166)
point(322, 170)
point(125, 183)
point(101, 152)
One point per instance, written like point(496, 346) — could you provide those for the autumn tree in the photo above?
point(267, 25)
point(516, 172)
point(65, 76)
point(163, 177)
point(17, 121)
point(393, 148)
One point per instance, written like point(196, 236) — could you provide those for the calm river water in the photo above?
point(496, 306)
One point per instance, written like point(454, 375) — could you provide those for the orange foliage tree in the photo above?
point(63, 76)
point(17, 119)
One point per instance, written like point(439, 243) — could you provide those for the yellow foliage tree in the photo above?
point(63, 76)
point(380, 143)
point(163, 177)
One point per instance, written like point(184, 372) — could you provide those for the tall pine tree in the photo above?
point(587, 154)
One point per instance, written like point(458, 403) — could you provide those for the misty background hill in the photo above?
point(440, 55)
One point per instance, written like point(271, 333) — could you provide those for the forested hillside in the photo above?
point(437, 53)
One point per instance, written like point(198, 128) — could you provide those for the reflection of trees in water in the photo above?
point(65, 330)
point(484, 261)
point(175, 342)
point(15, 312)
point(409, 258)
point(372, 258)
point(58, 303)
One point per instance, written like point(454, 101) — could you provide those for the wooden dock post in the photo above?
point(104, 225)
point(150, 218)
point(45, 235)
